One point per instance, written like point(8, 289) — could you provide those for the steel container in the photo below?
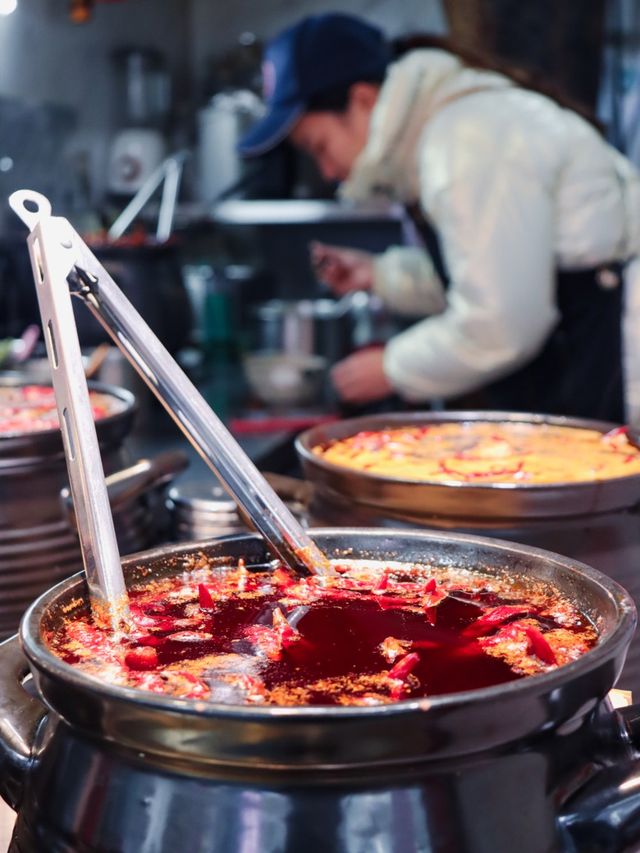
point(597, 522)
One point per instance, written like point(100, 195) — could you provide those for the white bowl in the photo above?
point(281, 379)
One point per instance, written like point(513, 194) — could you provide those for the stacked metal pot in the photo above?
point(38, 542)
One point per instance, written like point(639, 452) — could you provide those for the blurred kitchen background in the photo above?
point(94, 95)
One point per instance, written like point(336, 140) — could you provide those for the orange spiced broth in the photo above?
point(372, 634)
point(487, 452)
point(32, 408)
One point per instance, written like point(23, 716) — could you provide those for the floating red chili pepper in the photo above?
point(493, 618)
point(382, 584)
point(286, 632)
point(142, 658)
point(536, 643)
point(204, 598)
point(404, 666)
point(539, 646)
point(614, 433)
point(431, 598)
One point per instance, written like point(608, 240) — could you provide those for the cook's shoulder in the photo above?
point(508, 128)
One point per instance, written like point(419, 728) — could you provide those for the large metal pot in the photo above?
point(596, 522)
point(93, 767)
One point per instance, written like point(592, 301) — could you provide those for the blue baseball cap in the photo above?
point(311, 57)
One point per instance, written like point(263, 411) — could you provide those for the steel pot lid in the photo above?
point(193, 497)
point(460, 501)
point(303, 738)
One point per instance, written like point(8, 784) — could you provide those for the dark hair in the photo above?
point(336, 99)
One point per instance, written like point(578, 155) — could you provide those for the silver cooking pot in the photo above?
point(539, 764)
point(322, 327)
point(596, 522)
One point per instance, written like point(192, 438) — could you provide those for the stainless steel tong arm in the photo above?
point(288, 540)
point(53, 251)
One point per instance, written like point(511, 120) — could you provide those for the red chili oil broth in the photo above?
point(368, 636)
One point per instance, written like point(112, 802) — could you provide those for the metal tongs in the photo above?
point(63, 265)
point(169, 171)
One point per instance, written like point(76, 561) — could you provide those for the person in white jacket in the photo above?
point(535, 217)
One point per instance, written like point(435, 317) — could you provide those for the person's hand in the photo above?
point(360, 378)
point(343, 270)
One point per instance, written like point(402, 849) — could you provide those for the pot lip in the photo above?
point(122, 394)
point(305, 451)
point(45, 661)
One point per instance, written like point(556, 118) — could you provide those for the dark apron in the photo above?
point(578, 373)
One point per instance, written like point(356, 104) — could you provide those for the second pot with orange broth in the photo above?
point(565, 484)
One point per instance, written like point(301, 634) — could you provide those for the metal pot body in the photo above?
point(37, 545)
point(110, 769)
point(597, 522)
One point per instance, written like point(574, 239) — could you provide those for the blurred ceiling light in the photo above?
point(8, 6)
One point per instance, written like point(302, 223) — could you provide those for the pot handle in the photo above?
point(20, 717)
point(603, 816)
point(126, 485)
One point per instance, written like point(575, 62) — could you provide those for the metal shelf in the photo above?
point(301, 212)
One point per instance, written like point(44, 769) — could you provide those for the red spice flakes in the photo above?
point(283, 578)
point(391, 648)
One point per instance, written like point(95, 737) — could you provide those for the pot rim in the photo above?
point(122, 394)
point(21, 450)
point(54, 667)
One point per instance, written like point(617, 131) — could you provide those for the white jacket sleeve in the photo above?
point(406, 280)
point(493, 208)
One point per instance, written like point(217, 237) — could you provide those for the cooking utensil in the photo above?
point(496, 769)
point(165, 378)
point(50, 250)
point(168, 173)
point(96, 360)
